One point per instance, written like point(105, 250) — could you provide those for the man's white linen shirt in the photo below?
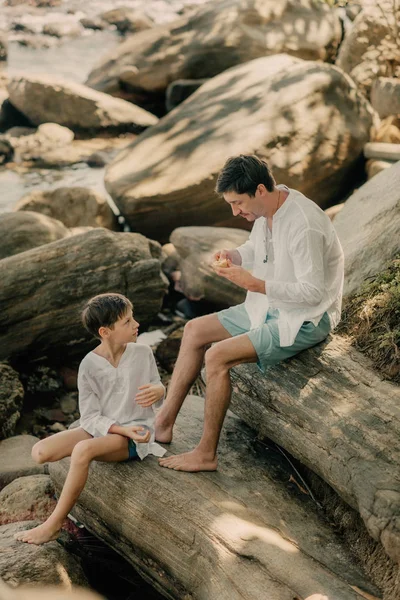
point(308, 267)
point(107, 394)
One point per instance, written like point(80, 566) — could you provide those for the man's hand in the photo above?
point(149, 394)
point(242, 278)
point(137, 433)
point(232, 255)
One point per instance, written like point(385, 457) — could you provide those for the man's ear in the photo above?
point(261, 189)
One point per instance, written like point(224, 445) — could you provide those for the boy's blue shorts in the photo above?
point(132, 450)
point(265, 338)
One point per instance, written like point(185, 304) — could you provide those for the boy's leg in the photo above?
point(198, 334)
point(111, 447)
point(59, 445)
point(219, 360)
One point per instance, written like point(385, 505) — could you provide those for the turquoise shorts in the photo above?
point(132, 450)
point(265, 338)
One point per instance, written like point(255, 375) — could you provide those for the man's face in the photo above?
point(243, 205)
point(125, 330)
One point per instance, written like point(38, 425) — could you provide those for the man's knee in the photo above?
point(215, 361)
point(192, 332)
point(39, 454)
point(82, 452)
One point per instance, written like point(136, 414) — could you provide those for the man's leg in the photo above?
point(219, 360)
point(111, 447)
point(198, 334)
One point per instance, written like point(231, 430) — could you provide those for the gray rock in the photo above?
point(166, 178)
point(23, 230)
point(385, 96)
point(16, 460)
point(11, 400)
point(94, 23)
point(127, 19)
point(73, 206)
point(28, 498)
point(49, 564)
point(44, 98)
point(375, 240)
point(29, 143)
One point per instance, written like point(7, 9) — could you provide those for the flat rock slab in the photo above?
point(49, 564)
point(244, 532)
point(16, 460)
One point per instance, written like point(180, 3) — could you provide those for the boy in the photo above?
point(119, 388)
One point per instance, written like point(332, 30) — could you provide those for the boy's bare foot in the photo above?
point(38, 535)
point(163, 432)
point(192, 462)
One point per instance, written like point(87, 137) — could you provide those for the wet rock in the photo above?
point(45, 322)
point(166, 178)
point(375, 240)
point(179, 90)
point(16, 460)
point(27, 499)
point(29, 143)
point(21, 231)
point(11, 400)
point(49, 564)
point(214, 38)
point(44, 98)
point(127, 19)
point(73, 206)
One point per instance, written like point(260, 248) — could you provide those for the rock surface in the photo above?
point(240, 533)
point(16, 460)
point(26, 563)
point(57, 279)
point(44, 98)
point(385, 96)
point(195, 247)
point(29, 143)
point(307, 119)
point(28, 498)
point(214, 38)
point(375, 240)
point(126, 19)
point(11, 400)
point(49, 593)
point(334, 414)
point(73, 206)
point(21, 231)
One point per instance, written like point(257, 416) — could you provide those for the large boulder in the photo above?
point(195, 247)
point(306, 118)
point(11, 400)
point(245, 532)
point(21, 231)
point(370, 49)
point(73, 206)
point(216, 37)
point(27, 499)
point(16, 460)
point(375, 207)
point(44, 98)
point(55, 281)
point(49, 564)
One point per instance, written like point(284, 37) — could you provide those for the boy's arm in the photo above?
point(91, 419)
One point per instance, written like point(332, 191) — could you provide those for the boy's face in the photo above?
point(125, 330)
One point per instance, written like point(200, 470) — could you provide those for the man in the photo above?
point(294, 296)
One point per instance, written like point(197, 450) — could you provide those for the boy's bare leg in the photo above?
point(112, 447)
point(198, 334)
point(59, 445)
point(219, 360)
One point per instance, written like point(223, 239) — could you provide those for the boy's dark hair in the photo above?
point(104, 310)
point(242, 174)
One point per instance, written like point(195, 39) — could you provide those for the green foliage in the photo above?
point(372, 319)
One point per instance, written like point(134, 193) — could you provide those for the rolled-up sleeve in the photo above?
point(155, 378)
point(91, 419)
point(307, 252)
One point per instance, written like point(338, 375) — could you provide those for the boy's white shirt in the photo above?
point(308, 267)
point(107, 394)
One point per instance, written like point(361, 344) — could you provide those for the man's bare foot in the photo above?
point(38, 535)
point(189, 461)
point(163, 432)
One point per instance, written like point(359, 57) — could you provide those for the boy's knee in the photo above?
point(82, 452)
point(38, 454)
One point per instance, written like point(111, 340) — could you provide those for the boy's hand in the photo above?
point(149, 394)
point(137, 433)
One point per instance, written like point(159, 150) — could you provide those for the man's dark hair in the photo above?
point(104, 310)
point(243, 174)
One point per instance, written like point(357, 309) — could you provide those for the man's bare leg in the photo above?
point(219, 360)
point(198, 334)
point(111, 447)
